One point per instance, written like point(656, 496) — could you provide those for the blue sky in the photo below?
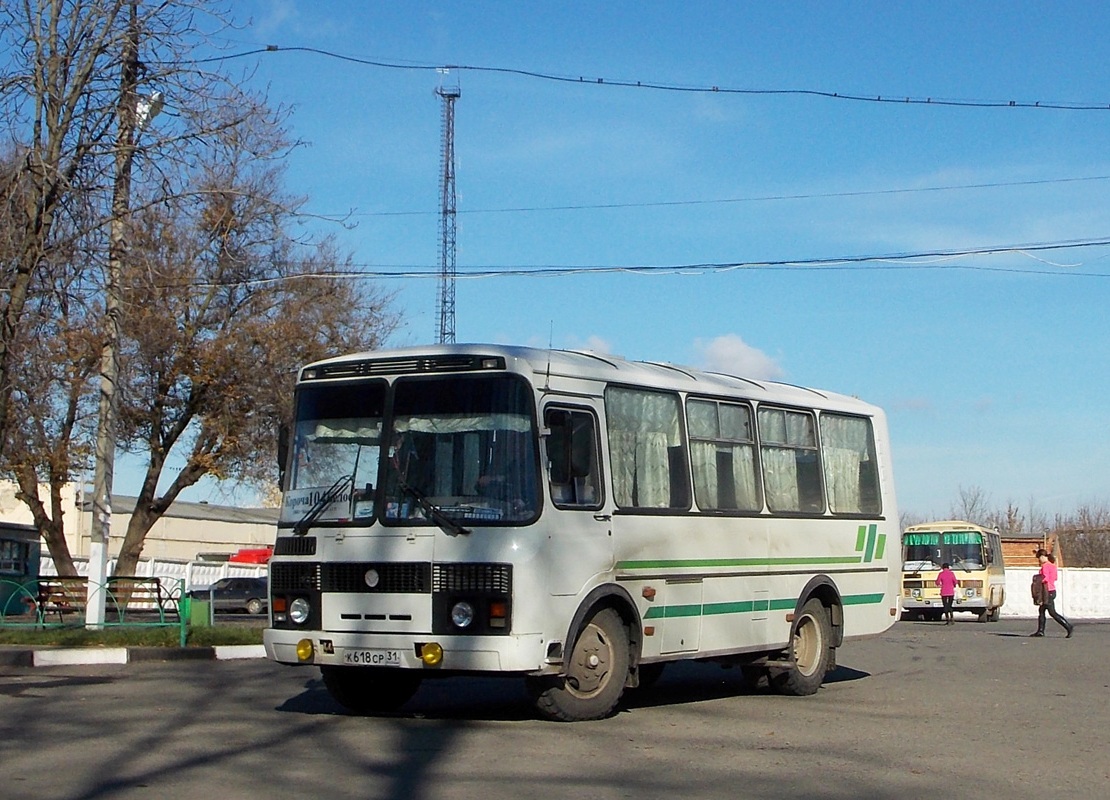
point(992, 367)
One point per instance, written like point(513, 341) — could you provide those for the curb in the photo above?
point(69, 656)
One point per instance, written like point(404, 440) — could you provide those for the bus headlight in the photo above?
point(299, 611)
point(462, 614)
point(970, 592)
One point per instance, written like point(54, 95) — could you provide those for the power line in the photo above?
point(924, 260)
point(728, 200)
point(672, 87)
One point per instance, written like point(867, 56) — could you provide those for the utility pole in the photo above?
point(445, 324)
point(126, 138)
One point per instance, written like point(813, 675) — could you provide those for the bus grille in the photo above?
point(403, 578)
point(295, 546)
point(294, 577)
point(491, 578)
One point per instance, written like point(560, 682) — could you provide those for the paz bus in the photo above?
point(973, 553)
point(575, 520)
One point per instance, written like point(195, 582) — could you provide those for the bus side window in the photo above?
point(572, 458)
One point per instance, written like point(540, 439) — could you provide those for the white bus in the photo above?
point(576, 520)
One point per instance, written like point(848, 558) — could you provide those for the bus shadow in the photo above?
point(507, 700)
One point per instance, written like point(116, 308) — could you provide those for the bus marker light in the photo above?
point(304, 650)
point(790, 617)
point(431, 654)
point(649, 630)
point(648, 593)
point(498, 614)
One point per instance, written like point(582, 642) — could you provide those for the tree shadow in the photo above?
point(505, 699)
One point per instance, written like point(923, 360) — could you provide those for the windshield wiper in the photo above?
point(326, 499)
point(431, 511)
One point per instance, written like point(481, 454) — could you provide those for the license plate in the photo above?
point(373, 658)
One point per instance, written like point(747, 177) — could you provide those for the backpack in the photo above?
point(1037, 589)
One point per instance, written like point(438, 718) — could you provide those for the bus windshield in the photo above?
point(464, 445)
point(930, 549)
point(458, 449)
point(336, 451)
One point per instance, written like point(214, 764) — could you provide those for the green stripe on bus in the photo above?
point(748, 606)
point(736, 562)
point(881, 548)
point(861, 535)
point(872, 531)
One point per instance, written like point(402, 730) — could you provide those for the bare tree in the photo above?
point(1085, 536)
point(222, 304)
point(202, 355)
point(972, 506)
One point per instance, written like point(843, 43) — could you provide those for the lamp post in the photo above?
point(133, 113)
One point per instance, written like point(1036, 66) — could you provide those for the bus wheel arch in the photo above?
point(599, 660)
point(817, 630)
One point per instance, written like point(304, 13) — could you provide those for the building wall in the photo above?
point(186, 530)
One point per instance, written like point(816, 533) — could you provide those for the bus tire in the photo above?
point(812, 645)
point(595, 673)
point(367, 690)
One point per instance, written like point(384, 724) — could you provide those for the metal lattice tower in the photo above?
point(445, 302)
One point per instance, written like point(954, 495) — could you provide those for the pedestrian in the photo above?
point(947, 581)
point(1048, 575)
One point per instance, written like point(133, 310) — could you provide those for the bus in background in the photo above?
point(575, 520)
point(973, 553)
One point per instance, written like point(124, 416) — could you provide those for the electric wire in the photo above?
point(858, 97)
point(924, 260)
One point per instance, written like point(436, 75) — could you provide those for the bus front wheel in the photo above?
point(595, 673)
point(812, 652)
point(366, 690)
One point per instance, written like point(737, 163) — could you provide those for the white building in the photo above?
point(185, 531)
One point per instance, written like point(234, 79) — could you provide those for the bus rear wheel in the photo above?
point(366, 690)
point(595, 673)
point(812, 652)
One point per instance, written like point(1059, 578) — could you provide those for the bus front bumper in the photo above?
point(513, 653)
point(935, 604)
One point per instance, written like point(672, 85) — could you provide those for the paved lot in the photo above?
point(970, 711)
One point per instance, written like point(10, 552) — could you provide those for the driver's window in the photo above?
point(573, 473)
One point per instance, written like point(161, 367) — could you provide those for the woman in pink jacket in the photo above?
point(1048, 575)
point(947, 581)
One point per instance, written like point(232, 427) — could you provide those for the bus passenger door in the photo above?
point(579, 522)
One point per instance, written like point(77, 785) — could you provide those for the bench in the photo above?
point(63, 594)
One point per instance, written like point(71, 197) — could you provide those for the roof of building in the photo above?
point(209, 512)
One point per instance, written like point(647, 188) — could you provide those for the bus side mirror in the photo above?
point(282, 453)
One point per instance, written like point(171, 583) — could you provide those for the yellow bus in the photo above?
point(974, 553)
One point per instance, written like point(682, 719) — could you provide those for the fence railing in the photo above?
point(51, 601)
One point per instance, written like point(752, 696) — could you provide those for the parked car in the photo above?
point(235, 594)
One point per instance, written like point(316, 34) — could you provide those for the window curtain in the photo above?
point(780, 479)
point(642, 426)
point(846, 446)
point(707, 481)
